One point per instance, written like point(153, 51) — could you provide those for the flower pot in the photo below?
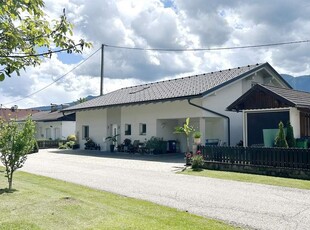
point(112, 148)
point(187, 161)
point(197, 141)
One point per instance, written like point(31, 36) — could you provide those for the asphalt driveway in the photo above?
point(153, 178)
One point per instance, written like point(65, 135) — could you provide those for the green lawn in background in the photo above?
point(259, 179)
point(44, 203)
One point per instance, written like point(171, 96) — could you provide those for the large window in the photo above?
point(85, 131)
point(127, 129)
point(142, 129)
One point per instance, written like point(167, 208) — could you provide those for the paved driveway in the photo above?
point(153, 178)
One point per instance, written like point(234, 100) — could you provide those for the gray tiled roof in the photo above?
point(299, 99)
point(186, 87)
point(51, 116)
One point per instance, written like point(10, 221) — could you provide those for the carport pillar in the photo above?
point(202, 129)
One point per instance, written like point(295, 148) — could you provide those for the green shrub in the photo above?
point(280, 140)
point(70, 144)
point(62, 146)
point(197, 161)
point(67, 145)
point(158, 145)
point(71, 137)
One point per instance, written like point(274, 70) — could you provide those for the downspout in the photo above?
point(216, 113)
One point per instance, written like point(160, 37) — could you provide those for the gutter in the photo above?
point(216, 113)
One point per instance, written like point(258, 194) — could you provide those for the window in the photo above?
point(57, 133)
point(142, 129)
point(41, 132)
point(48, 133)
point(85, 131)
point(127, 129)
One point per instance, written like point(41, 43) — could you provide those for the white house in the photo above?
point(53, 124)
point(154, 109)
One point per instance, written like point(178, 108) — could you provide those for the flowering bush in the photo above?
point(197, 160)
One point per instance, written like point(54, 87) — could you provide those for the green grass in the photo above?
point(44, 203)
point(259, 179)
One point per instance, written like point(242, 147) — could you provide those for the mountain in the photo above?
point(301, 83)
point(48, 107)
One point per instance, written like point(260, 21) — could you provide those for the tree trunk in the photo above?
point(187, 144)
point(10, 180)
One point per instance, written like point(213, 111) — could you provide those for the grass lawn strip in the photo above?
point(44, 203)
point(259, 179)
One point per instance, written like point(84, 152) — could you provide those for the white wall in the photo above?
point(160, 118)
point(150, 113)
point(68, 128)
point(295, 121)
point(48, 125)
point(222, 99)
point(97, 122)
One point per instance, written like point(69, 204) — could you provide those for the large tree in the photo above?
point(27, 35)
point(16, 141)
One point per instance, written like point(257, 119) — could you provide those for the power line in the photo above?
point(208, 49)
point(45, 87)
point(163, 50)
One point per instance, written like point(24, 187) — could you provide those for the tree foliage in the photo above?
point(25, 29)
point(291, 141)
point(280, 140)
point(16, 141)
point(81, 100)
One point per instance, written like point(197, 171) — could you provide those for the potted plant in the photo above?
point(186, 129)
point(113, 140)
point(188, 157)
point(127, 143)
point(197, 136)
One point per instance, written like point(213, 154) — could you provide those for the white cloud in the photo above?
point(164, 24)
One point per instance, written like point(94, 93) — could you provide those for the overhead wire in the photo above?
point(54, 81)
point(162, 50)
point(209, 49)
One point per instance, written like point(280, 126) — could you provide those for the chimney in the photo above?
point(53, 107)
point(63, 106)
point(14, 108)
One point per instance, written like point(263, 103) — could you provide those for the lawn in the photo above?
point(44, 203)
point(259, 179)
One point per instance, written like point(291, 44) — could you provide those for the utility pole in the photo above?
point(102, 70)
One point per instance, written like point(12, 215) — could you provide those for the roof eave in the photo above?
point(232, 106)
point(135, 103)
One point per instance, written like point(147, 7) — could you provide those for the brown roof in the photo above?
point(299, 99)
point(47, 116)
point(284, 97)
point(8, 114)
point(175, 89)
